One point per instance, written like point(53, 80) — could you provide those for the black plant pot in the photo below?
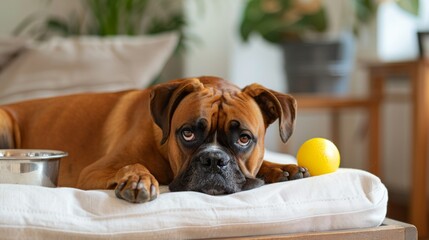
point(318, 67)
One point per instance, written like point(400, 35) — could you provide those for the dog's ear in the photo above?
point(165, 98)
point(275, 105)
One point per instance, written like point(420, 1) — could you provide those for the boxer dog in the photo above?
point(198, 134)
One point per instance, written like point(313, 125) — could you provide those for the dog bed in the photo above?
point(346, 199)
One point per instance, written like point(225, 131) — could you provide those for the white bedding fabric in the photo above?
point(345, 199)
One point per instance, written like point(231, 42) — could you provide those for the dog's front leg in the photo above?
point(133, 183)
point(274, 172)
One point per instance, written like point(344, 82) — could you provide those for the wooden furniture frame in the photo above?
point(417, 72)
point(389, 230)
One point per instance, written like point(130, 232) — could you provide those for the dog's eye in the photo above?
point(244, 140)
point(188, 135)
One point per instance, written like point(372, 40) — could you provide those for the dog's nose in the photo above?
point(214, 159)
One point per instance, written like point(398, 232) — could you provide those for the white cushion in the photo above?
point(342, 200)
point(85, 64)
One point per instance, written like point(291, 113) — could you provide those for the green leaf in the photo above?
point(273, 26)
point(365, 10)
point(251, 16)
point(411, 6)
point(58, 25)
point(317, 21)
point(175, 23)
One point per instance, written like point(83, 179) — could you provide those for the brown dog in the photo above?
point(199, 134)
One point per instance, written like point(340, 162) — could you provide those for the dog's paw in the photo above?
point(272, 173)
point(296, 172)
point(135, 184)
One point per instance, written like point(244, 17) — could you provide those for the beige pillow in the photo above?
point(9, 47)
point(86, 64)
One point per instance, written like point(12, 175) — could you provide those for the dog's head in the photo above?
point(214, 132)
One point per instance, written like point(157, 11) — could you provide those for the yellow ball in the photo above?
point(319, 156)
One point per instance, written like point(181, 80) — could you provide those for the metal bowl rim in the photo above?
point(18, 154)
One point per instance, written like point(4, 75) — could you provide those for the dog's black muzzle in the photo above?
point(213, 170)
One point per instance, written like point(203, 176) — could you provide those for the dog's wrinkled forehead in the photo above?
point(219, 107)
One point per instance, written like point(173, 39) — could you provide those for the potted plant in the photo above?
point(314, 62)
point(108, 18)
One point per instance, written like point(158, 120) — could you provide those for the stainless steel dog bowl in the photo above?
point(30, 166)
